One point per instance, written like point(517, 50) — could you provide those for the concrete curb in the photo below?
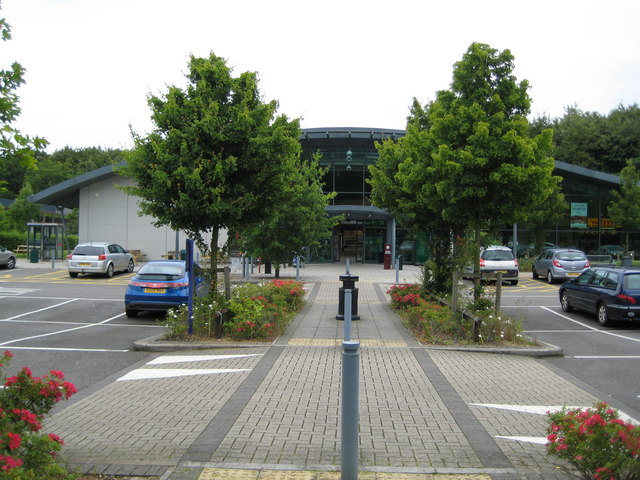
point(156, 344)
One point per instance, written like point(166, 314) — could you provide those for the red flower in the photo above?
point(14, 440)
point(56, 438)
point(57, 374)
point(9, 463)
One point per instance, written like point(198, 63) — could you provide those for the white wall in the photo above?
point(107, 214)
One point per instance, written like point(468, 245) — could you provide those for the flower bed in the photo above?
point(25, 452)
point(432, 321)
point(596, 442)
point(255, 312)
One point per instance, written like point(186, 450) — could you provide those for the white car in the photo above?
point(99, 257)
point(498, 259)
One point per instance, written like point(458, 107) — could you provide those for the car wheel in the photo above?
point(550, 278)
point(514, 282)
point(109, 273)
point(602, 315)
point(131, 313)
point(73, 274)
point(11, 263)
point(130, 267)
point(534, 274)
point(564, 302)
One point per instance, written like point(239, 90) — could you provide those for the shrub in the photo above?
point(25, 453)
point(596, 442)
point(204, 314)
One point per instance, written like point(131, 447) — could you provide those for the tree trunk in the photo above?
point(213, 252)
point(477, 282)
point(277, 274)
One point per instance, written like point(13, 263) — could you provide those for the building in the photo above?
point(107, 213)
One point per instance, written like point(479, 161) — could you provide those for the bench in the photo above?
point(21, 249)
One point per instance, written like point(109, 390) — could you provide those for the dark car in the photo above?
point(161, 285)
point(612, 293)
point(560, 264)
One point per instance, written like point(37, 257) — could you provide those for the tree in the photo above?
point(625, 208)
point(22, 211)
point(14, 146)
point(217, 157)
point(298, 219)
point(468, 158)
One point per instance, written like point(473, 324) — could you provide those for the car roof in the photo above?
point(94, 243)
point(563, 250)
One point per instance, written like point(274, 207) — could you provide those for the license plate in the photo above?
point(84, 264)
point(155, 290)
point(572, 274)
point(501, 271)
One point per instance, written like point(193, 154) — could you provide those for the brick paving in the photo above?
point(425, 413)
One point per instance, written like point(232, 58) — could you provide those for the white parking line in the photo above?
point(62, 331)
point(62, 349)
point(590, 327)
point(39, 310)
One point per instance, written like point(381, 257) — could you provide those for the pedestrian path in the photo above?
point(273, 412)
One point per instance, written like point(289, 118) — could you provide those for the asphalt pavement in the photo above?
point(273, 411)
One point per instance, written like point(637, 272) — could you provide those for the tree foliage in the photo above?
point(217, 157)
point(15, 147)
point(22, 211)
point(625, 207)
point(299, 218)
point(467, 161)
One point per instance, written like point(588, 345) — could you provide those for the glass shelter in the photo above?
point(46, 241)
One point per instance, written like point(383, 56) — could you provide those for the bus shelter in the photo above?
point(45, 241)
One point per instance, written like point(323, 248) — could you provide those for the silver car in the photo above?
point(7, 258)
point(560, 264)
point(99, 257)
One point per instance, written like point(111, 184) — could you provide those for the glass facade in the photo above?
point(347, 154)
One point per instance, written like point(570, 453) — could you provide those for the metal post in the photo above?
point(189, 264)
point(347, 262)
point(397, 270)
point(347, 315)
point(53, 258)
point(297, 268)
point(350, 410)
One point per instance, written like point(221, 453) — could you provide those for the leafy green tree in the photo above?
point(467, 159)
point(15, 147)
point(216, 156)
point(581, 139)
point(298, 219)
point(625, 208)
point(22, 211)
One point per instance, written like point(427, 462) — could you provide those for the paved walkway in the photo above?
point(273, 411)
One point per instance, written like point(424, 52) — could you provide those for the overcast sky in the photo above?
point(349, 63)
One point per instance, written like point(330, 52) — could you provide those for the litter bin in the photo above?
point(625, 261)
point(400, 261)
point(348, 283)
point(183, 254)
point(33, 256)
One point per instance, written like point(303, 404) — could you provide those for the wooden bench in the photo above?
point(21, 249)
point(138, 256)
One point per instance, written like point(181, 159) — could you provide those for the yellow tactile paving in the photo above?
point(243, 474)
point(334, 342)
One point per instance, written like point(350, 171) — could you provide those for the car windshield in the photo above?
point(88, 250)
point(152, 271)
point(632, 281)
point(575, 256)
point(498, 255)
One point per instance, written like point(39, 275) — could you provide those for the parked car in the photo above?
point(613, 250)
point(99, 257)
point(161, 285)
point(497, 259)
point(7, 258)
point(612, 293)
point(560, 264)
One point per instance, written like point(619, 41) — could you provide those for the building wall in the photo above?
point(107, 214)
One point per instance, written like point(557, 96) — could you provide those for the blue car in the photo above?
point(161, 285)
point(612, 293)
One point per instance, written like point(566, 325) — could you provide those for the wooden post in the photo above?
point(227, 283)
point(454, 293)
point(498, 291)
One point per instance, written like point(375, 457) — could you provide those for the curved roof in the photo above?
point(66, 194)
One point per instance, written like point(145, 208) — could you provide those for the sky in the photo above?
point(91, 64)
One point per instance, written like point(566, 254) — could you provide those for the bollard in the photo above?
point(53, 258)
point(350, 410)
point(297, 268)
point(348, 283)
point(347, 315)
point(397, 270)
